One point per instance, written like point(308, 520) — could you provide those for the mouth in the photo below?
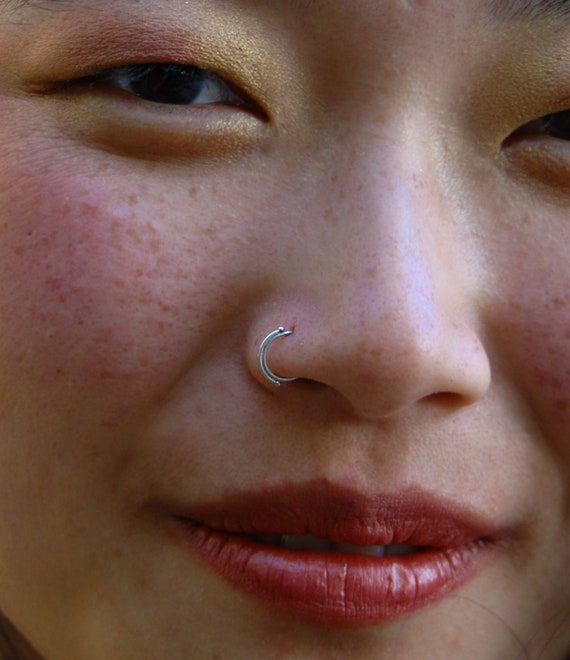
point(309, 542)
point(332, 557)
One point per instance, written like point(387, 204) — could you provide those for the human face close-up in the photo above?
point(389, 180)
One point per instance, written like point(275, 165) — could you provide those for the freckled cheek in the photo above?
point(103, 286)
point(544, 353)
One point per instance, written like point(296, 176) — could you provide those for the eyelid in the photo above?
point(120, 123)
point(532, 155)
point(231, 43)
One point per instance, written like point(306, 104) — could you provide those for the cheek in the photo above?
point(104, 284)
point(538, 335)
point(548, 355)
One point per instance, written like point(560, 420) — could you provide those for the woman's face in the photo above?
point(390, 180)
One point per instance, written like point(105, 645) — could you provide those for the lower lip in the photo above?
point(331, 588)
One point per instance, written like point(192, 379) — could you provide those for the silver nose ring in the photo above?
point(262, 356)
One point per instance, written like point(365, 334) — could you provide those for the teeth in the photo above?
point(310, 542)
point(370, 550)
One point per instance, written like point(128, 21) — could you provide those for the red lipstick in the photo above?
point(425, 549)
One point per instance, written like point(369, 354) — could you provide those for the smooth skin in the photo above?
point(384, 187)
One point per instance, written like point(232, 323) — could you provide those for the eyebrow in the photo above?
point(505, 11)
point(40, 5)
point(502, 11)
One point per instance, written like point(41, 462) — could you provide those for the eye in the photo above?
point(556, 125)
point(171, 84)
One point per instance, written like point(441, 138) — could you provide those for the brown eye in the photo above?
point(171, 84)
point(558, 125)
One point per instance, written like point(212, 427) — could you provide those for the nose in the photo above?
point(387, 314)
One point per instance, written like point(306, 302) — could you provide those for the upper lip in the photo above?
point(344, 515)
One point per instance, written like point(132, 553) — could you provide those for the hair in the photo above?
point(12, 645)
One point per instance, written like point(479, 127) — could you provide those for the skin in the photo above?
point(384, 204)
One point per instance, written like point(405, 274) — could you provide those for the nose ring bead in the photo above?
point(262, 356)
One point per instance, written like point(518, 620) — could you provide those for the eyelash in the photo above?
point(171, 84)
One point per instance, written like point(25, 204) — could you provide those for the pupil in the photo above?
point(558, 125)
point(171, 84)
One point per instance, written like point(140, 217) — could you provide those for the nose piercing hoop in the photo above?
point(262, 356)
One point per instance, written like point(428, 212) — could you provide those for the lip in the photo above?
point(338, 588)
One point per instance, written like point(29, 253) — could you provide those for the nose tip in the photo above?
point(385, 372)
point(381, 369)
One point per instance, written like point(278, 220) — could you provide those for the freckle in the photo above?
point(133, 233)
point(19, 250)
point(133, 198)
point(193, 192)
point(88, 209)
point(53, 283)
